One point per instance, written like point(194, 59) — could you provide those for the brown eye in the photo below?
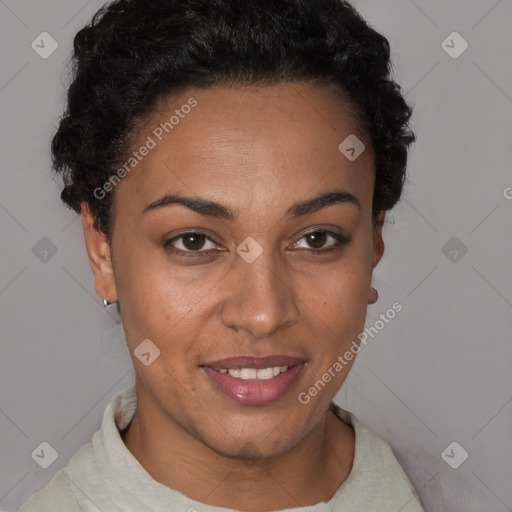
point(194, 241)
point(189, 243)
point(316, 239)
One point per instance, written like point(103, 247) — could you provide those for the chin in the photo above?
point(248, 450)
point(255, 444)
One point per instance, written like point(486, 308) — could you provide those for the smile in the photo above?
point(254, 380)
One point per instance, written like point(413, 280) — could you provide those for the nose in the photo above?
point(259, 297)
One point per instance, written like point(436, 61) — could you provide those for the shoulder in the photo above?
point(376, 472)
point(86, 477)
point(56, 496)
point(59, 494)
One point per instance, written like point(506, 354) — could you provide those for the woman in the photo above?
point(233, 162)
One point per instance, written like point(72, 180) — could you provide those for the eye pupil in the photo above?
point(315, 237)
point(190, 237)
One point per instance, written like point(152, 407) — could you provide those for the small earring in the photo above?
point(374, 295)
point(105, 303)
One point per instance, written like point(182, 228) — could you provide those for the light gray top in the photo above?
point(104, 476)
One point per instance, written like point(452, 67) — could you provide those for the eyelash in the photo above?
point(340, 241)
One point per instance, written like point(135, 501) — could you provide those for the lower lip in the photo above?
point(254, 392)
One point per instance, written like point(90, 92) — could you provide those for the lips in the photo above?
point(254, 391)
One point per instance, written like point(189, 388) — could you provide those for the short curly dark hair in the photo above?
point(137, 52)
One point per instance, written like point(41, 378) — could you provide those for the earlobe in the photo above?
point(98, 254)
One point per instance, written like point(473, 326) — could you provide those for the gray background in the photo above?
point(437, 373)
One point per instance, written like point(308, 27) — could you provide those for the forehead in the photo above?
point(284, 137)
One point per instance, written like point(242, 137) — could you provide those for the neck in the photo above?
point(307, 474)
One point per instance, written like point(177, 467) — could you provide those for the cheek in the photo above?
point(341, 289)
point(155, 291)
point(169, 305)
point(342, 311)
point(338, 298)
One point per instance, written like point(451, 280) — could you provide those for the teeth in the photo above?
point(255, 374)
point(265, 373)
point(248, 373)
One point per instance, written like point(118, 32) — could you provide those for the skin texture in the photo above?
point(257, 150)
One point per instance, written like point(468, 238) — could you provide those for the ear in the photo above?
point(98, 253)
point(378, 242)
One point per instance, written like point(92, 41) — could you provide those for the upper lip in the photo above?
point(254, 362)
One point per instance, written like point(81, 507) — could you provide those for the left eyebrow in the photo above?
point(216, 210)
point(322, 201)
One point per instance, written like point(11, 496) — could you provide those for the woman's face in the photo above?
point(248, 283)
